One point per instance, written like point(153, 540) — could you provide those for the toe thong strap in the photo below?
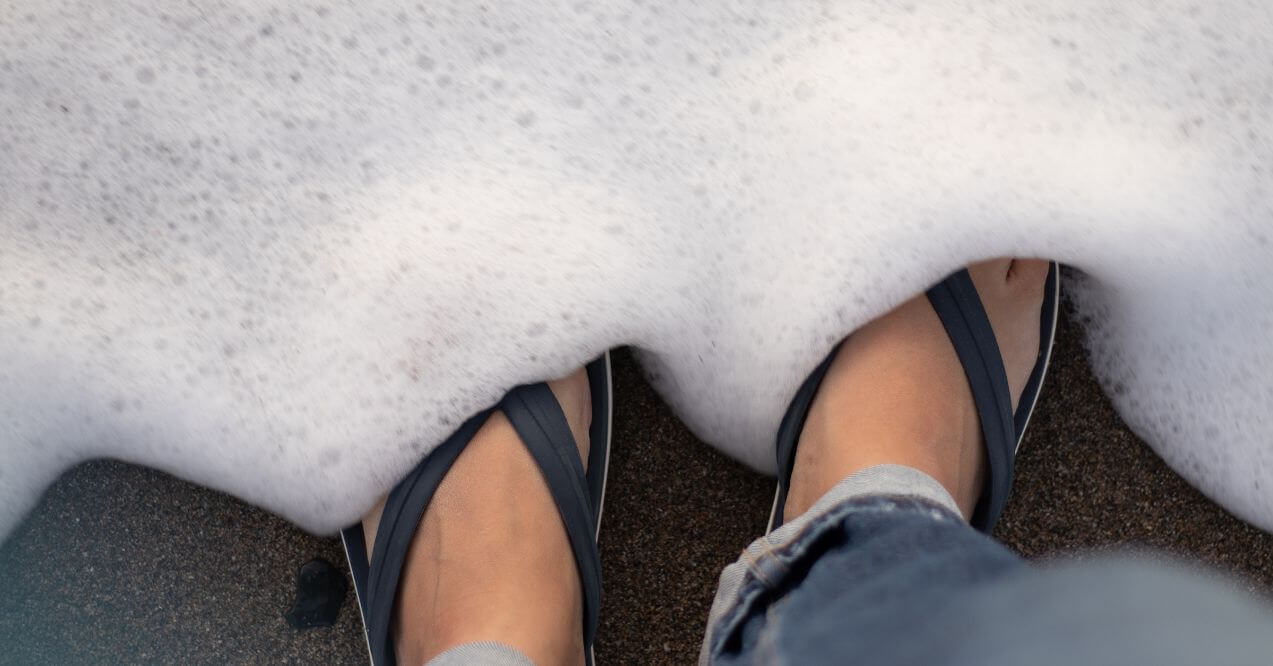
point(957, 304)
point(789, 433)
point(536, 415)
point(403, 509)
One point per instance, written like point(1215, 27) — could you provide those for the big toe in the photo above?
point(1017, 277)
point(1029, 274)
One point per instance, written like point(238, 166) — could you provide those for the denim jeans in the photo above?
point(883, 571)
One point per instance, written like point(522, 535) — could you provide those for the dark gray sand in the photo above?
point(123, 564)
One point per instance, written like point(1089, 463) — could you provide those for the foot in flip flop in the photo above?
point(896, 391)
point(490, 559)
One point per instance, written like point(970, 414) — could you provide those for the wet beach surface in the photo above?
point(125, 564)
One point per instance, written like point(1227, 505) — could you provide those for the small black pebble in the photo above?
point(320, 591)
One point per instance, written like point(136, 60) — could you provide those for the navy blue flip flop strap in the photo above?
point(536, 415)
point(599, 432)
point(1047, 328)
point(791, 427)
point(959, 307)
point(402, 512)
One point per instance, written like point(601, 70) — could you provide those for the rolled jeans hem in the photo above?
point(773, 552)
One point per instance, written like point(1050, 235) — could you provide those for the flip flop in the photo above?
point(538, 419)
point(959, 307)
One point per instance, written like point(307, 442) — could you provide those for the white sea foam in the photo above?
point(283, 248)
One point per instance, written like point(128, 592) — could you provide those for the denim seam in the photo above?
point(755, 563)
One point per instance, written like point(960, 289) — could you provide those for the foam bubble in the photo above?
point(282, 252)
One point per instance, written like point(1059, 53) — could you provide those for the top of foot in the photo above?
point(897, 393)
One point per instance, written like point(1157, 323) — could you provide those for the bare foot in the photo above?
point(896, 392)
point(490, 560)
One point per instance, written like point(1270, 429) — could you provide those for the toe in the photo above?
point(1029, 271)
point(991, 273)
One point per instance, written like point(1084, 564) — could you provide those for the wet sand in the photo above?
point(124, 564)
